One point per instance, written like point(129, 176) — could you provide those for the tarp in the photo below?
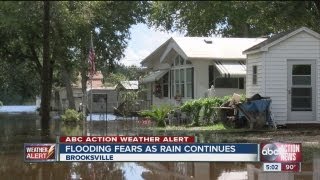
point(262, 105)
point(257, 105)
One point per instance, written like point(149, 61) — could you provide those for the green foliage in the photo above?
point(204, 108)
point(71, 115)
point(234, 18)
point(71, 26)
point(157, 114)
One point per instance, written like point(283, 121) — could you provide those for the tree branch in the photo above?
point(317, 3)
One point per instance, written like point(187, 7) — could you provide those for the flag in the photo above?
point(91, 60)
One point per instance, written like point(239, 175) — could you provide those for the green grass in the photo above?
point(215, 127)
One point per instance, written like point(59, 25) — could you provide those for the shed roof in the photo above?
point(278, 38)
point(130, 85)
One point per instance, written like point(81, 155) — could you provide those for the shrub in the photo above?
point(193, 108)
point(204, 108)
point(157, 114)
point(71, 115)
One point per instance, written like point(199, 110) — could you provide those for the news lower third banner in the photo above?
point(275, 156)
point(160, 152)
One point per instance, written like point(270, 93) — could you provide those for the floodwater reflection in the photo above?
point(16, 129)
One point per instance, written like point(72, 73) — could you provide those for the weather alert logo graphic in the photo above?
point(39, 152)
point(281, 152)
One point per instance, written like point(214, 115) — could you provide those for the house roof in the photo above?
point(130, 85)
point(278, 38)
point(219, 48)
point(154, 76)
point(203, 47)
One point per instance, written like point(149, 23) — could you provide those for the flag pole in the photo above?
point(91, 77)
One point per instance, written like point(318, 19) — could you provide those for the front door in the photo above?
point(301, 90)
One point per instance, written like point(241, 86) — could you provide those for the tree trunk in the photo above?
point(46, 70)
point(67, 83)
point(245, 30)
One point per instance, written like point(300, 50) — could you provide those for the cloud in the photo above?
point(143, 42)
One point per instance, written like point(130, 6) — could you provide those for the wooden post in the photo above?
point(275, 175)
point(250, 171)
point(202, 170)
point(316, 166)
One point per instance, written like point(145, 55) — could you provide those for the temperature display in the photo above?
point(291, 167)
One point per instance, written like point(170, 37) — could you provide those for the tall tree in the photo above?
point(234, 18)
point(22, 44)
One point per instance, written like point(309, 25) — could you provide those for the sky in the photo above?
point(143, 42)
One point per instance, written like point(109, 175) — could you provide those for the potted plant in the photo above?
point(177, 97)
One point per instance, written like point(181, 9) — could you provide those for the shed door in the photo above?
point(301, 90)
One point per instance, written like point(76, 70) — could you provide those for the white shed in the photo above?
point(286, 68)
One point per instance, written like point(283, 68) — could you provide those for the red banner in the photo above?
point(281, 152)
point(127, 139)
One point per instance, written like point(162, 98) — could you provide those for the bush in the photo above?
point(71, 115)
point(204, 108)
point(157, 114)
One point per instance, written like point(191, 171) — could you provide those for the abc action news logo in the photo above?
point(281, 152)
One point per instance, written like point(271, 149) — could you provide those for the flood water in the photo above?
point(17, 128)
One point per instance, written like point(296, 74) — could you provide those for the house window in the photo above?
point(254, 74)
point(235, 83)
point(165, 85)
point(241, 83)
point(179, 61)
point(189, 81)
point(222, 82)
point(162, 87)
point(98, 98)
point(172, 83)
point(181, 78)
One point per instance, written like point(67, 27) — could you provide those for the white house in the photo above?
point(286, 67)
point(185, 68)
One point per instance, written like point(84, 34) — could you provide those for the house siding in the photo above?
point(301, 46)
point(201, 77)
point(254, 60)
point(201, 81)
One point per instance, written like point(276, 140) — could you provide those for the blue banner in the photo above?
point(234, 148)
